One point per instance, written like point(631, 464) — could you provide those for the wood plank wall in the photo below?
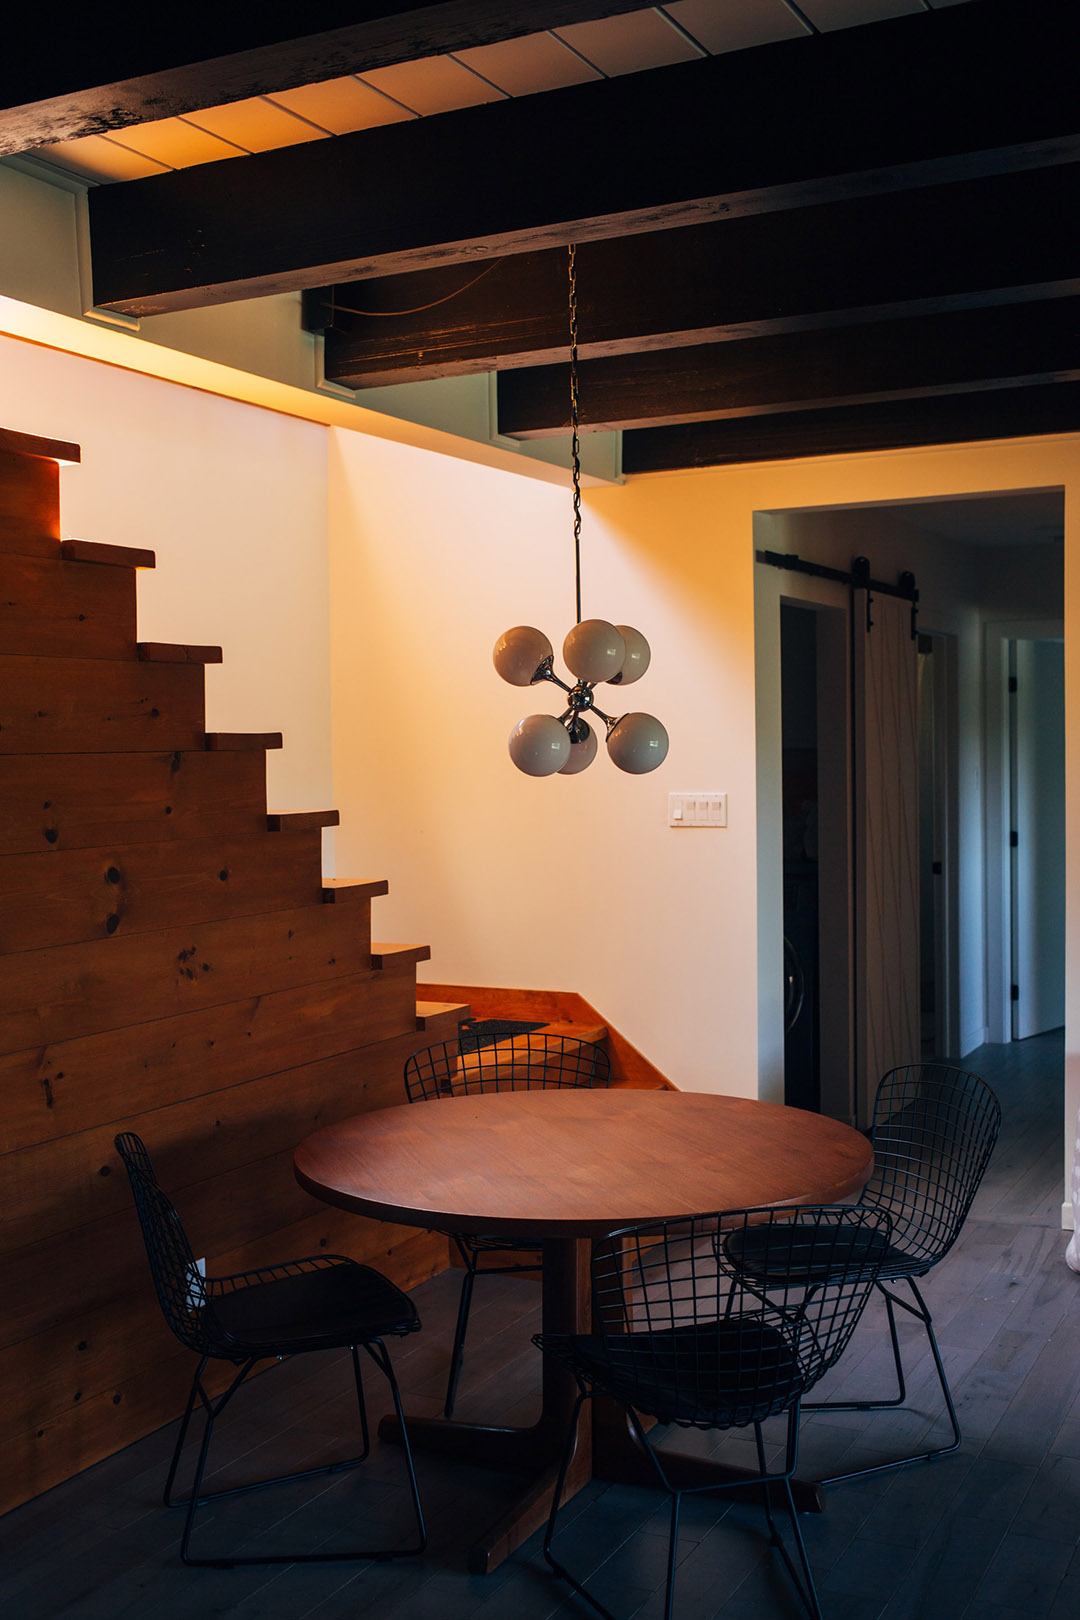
point(171, 962)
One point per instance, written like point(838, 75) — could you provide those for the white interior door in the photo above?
point(1038, 828)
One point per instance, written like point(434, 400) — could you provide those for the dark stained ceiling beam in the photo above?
point(892, 425)
point(1014, 344)
point(981, 241)
point(99, 74)
point(855, 112)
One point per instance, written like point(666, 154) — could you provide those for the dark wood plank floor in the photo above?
point(990, 1533)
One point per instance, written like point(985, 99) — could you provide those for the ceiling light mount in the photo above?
point(594, 651)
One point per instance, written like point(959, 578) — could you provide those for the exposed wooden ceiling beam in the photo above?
point(981, 241)
point(893, 425)
point(134, 66)
point(1014, 344)
point(781, 125)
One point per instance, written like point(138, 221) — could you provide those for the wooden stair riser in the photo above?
point(65, 896)
point(70, 1181)
point(29, 506)
point(84, 801)
point(74, 1085)
point(74, 990)
point(92, 705)
point(65, 609)
point(67, 1365)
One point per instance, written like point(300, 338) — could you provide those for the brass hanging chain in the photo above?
point(575, 443)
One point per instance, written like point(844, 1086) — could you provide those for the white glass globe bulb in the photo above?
point(519, 653)
point(594, 650)
point(637, 657)
point(539, 745)
point(637, 743)
point(582, 752)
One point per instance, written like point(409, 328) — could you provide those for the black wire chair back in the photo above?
point(522, 1062)
point(179, 1285)
point(683, 1337)
point(933, 1133)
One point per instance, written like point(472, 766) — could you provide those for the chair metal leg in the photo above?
point(803, 1583)
point(167, 1497)
point(198, 1498)
point(920, 1310)
point(556, 1502)
point(458, 1352)
point(673, 1554)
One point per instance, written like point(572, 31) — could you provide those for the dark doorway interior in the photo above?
point(799, 708)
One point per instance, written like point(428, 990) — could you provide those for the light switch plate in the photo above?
point(697, 809)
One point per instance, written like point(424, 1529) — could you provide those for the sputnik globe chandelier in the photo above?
point(594, 651)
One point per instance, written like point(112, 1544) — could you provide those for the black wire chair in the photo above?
point(322, 1302)
point(682, 1338)
point(522, 1062)
point(933, 1133)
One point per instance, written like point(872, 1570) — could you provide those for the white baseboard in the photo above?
point(1067, 1222)
point(974, 1038)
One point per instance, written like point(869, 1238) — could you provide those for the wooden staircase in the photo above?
point(172, 961)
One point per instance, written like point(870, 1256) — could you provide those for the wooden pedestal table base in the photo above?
point(562, 1168)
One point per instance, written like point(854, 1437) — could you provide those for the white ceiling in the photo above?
point(1023, 517)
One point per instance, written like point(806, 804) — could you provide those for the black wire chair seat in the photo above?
point(684, 1338)
point(756, 1255)
point(320, 1302)
point(528, 1061)
point(323, 1302)
point(933, 1132)
point(696, 1376)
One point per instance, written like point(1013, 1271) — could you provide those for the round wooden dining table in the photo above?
point(556, 1169)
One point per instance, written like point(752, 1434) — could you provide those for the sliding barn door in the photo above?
point(887, 1025)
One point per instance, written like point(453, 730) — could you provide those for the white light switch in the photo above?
point(697, 809)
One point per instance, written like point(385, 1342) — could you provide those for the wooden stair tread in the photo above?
point(13, 443)
point(168, 652)
point(301, 820)
point(428, 1011)
point(232, 742)
point(92, 551)
point(337, 890)
point(596, 1033)
point(383, 954)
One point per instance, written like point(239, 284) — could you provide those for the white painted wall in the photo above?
point(233, 501)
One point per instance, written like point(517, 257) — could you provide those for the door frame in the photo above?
point(774, 587)
point(997, 634)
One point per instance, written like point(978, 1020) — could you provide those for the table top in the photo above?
point(578, 1163)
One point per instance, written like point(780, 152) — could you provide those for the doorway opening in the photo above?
point(990, 578)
